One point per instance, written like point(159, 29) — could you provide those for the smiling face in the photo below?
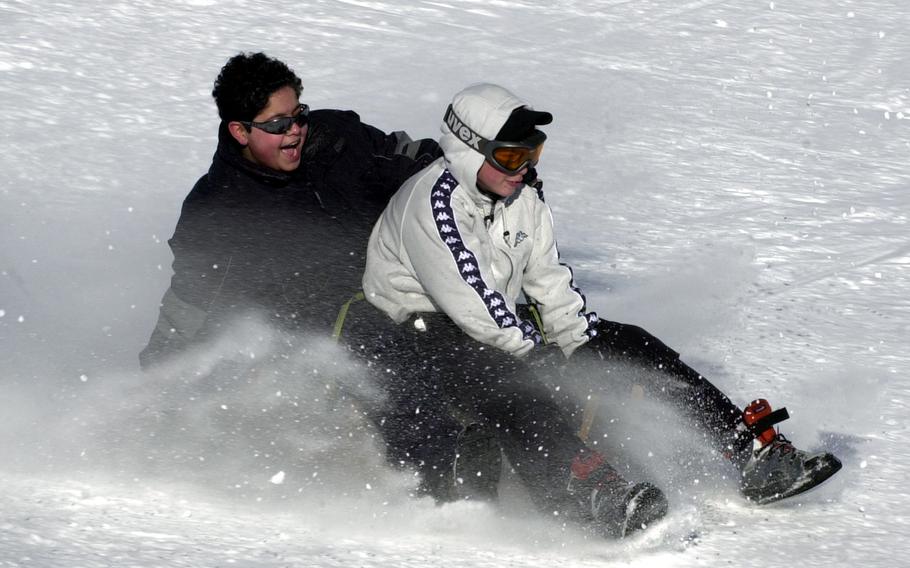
point(279, 152)
point(494, 181)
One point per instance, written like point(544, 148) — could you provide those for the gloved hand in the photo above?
point(547, 357)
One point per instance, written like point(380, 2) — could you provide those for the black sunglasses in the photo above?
point(282, 124)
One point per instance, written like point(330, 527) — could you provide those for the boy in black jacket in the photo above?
point(279, 223)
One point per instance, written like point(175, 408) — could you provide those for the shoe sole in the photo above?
point(647, 506)
point(828, 465)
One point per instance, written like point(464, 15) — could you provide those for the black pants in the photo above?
point(434, 373)
point(437, 377)
point(618, 345)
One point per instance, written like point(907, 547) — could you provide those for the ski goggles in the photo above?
point(507, 157)
point(512, 157)
point(282, 124)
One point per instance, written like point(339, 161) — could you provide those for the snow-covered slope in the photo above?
point(733, 176)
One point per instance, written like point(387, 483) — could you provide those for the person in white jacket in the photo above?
point(449, 261)
point(453, 250)
point(466, 236)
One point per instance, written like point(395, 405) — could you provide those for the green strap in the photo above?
point(538, 321)
point(343, 313)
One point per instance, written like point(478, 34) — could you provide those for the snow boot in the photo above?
point(774, 469)
point(478, 464)
point(612, 505)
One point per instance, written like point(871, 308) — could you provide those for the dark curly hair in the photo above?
point(246, 82)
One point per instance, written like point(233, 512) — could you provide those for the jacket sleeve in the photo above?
point(442, 239)
point(200, 267)
point(395, 157)
point(550, 285)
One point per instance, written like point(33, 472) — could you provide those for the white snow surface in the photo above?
point(732, 175)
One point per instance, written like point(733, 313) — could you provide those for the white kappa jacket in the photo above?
point(443, 246)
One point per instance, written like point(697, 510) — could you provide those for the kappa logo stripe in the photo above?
point(441, 200)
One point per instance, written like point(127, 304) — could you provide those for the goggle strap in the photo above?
point(464, 132)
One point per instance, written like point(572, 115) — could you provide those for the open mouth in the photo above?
point(292, 150)
point(293, 145)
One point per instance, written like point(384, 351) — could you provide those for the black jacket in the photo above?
point(289, 246)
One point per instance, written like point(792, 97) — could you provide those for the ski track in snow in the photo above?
point(733, 176)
